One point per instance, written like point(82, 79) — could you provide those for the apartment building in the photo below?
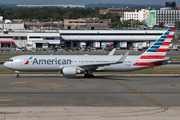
point(86, 23)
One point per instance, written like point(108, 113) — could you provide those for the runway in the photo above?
point(102, 97)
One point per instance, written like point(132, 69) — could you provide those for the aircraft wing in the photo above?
point(94, 66)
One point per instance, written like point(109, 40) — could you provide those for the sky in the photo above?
point(84, 2)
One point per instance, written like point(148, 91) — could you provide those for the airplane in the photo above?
point(70, 65)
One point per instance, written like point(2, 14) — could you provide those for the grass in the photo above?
point(144, 71)
point(175, 58)
point(4, 58)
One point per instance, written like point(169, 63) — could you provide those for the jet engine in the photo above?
point(70, 71)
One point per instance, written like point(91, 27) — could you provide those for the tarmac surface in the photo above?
point(44, 97)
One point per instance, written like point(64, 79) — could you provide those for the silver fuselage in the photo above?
point(57, 62)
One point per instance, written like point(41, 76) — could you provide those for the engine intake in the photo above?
point(70, 71)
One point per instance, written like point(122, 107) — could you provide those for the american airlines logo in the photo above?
point(51, 61)
point(27, 62)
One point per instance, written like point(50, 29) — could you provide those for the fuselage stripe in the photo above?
point(147, 64)
point(153, 57)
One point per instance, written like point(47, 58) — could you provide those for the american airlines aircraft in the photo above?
point(70, 65)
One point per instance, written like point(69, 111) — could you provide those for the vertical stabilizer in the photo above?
point(159, 48)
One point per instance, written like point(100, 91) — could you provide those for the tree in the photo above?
point(68, 15)
point(116, 24)
point(7, 13)
point(178, 36)
point(133, 23)
point(161, 25)
point(113, 16)
point(177, 24)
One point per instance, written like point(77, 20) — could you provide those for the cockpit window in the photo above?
point(11, 60)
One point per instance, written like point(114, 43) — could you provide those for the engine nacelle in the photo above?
point(70, 71)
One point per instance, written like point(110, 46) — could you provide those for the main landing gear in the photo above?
point(17, 74)
point(88, 74)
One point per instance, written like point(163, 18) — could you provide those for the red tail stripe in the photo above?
point(169, 36)
point(162, 50)
point(147, 64)
point(165, 43)
point(173, 30)
point(153, 57)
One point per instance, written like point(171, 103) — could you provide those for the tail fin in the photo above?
point(159, 48)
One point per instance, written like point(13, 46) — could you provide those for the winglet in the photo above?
point(112, 52)
point(121, 60)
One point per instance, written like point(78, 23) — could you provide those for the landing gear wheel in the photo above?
point(88, 76)
point(17, 74)
point(85, 75)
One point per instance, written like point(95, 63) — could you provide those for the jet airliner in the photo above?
point(70, 65)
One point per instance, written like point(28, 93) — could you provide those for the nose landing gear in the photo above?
point(17, 74)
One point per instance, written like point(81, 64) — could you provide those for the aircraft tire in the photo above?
point(18, 76)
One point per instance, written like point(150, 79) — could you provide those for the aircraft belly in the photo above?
point(118, 68)
point(39, 68)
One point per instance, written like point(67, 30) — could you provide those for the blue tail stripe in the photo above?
point(152, 50)
point(155, 46)
point(158, 43)
point(170, 29)
point(163, 37)
point(167, 33)
point(160, 40)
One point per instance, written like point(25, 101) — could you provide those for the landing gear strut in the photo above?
point(17, 74)
point(88, 74)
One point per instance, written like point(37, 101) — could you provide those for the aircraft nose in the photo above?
point(6, 64)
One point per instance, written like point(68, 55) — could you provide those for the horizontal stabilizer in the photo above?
point(164, 60)
point(112, 52)
point(123, 58)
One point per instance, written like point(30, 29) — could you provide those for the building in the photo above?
point(178, 7)
point(166, 16)
point(44, 25)
point(142, 15)
point(42, 39)
point(13, 39)
point(119, 11)
point(73, 38)
point(170, 4)
point(11, 25)
point(86, 23)
point(1, 18)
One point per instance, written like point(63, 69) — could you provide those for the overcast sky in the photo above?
point(84, 2)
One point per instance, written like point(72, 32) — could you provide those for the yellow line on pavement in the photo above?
point(6, 99)
point(18, 82)
point(176, 85)
point(22, 88)
point(165, 108)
